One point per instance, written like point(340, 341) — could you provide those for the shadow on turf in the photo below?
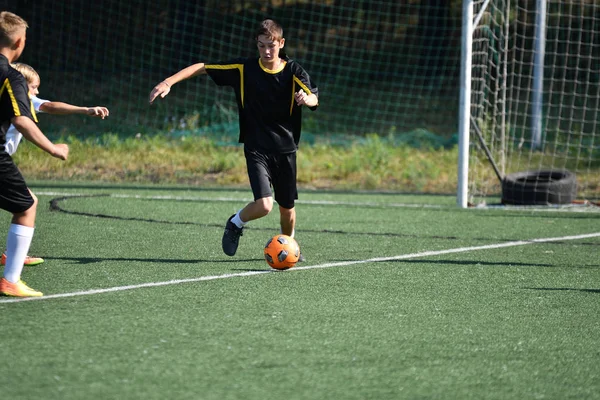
point(92, 260)
point(54, 206)
point(566, 289)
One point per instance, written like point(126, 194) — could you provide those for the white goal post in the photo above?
point(529, 115)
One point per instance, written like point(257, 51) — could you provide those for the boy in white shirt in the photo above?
point(13, 136)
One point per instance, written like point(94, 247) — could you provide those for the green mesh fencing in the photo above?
point(384, 67)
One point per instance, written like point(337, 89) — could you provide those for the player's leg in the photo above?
point(287, 220)
point(260, 181)
point(234, 228)
point(286, 194)
point(257, 209)
point(18, 242)
point(16, 198)
point(25, 219)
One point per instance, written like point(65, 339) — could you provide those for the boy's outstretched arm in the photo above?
point(30, 130)
point(59, 108)
point(163, 88)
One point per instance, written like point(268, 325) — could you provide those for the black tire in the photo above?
point(543, 187)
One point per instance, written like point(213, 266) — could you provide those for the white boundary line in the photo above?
point(245, 200)
point(326, 265)
point(556, 208)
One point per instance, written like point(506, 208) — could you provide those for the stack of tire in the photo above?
point(541, 187)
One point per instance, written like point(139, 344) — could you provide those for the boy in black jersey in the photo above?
point(15, 196)
point(270, 91)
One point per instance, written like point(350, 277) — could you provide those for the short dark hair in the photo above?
point(10, 25)
point(270, 28)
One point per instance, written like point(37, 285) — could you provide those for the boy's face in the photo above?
point(34, 85)
point(268, 48)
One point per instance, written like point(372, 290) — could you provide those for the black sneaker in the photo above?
point(231, 237)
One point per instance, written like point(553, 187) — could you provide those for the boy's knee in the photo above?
point(265, 205)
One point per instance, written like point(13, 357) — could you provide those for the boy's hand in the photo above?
point(61, 151)
point(162, 89)
point(101, 112)
point(303, 99)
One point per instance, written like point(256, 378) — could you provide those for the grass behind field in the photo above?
point(438, 315)
point(199, 161)
point(374, 163)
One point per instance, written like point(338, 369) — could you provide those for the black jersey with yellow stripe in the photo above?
point(14, 98)
point(269, 118)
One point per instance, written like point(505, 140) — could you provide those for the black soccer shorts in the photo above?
point(14, 194)
point(272, 170)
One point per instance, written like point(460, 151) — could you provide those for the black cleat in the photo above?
point(231, 237)
point(301, 258)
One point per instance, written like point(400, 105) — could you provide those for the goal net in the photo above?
point(534, 112)
point(388, 68)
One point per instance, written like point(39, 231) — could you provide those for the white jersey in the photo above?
point(13, 136)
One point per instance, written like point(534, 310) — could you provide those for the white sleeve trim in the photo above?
point(37, 103)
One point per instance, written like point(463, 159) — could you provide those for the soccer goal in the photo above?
point(530, 102)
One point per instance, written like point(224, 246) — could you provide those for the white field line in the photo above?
point(308, 267)
point(246, 200)
point(555, 208)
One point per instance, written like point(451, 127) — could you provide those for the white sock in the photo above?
point(237, 220)
point(17, 246)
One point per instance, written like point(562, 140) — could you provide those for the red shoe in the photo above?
point(28, 260)
point(19, 289)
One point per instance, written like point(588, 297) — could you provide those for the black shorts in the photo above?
point(14, 194)
point(272, 170)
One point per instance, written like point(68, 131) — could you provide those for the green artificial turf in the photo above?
point(399, 299)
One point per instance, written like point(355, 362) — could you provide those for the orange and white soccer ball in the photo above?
point(282, 252)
